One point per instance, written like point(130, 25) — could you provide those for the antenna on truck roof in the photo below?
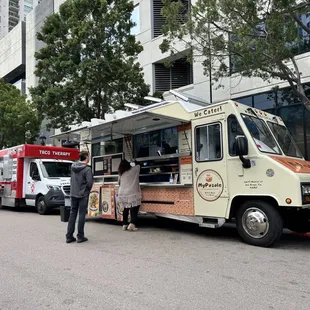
point(190, 99)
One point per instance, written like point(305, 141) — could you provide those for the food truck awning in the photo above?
point(70, 134)
point(134, 124)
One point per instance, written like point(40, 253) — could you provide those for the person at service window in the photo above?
point(129, 194)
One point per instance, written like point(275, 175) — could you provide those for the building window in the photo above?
point(246, 101)
point(178, 75)
point(135, 17)
point(265, 101)
point(159, 20)
point(303, 45)
point(293, 117)
point(27, 9)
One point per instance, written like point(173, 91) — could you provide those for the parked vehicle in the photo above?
point(225, 162)
point(35, 175)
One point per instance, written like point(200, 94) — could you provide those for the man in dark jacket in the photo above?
point(81, 185)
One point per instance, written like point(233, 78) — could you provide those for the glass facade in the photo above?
point(284, 103)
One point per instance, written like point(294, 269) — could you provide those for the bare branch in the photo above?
point(300, 23)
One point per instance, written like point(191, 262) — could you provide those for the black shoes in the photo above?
point(79, 240)
point(83, 239)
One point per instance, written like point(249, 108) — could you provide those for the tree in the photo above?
point(19, 122)
point(254, 38)
point(88, 65)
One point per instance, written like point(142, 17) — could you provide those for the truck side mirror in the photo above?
point(36, 177)
point(242, 149)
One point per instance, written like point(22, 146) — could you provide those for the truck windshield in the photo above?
point(56, 169)
point(285, 140)
point(261, 134)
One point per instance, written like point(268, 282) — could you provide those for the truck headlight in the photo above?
point(54, 187)
point(305, 190)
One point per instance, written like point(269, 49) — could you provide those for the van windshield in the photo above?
point(261, 135)
point(53, 169)
point(285, 140)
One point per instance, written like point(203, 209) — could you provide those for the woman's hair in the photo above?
point(123, 166)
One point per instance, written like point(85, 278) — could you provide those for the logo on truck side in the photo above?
point(209, 185)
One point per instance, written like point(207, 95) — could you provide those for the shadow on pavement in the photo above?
point(227, 233)
point(29, 210)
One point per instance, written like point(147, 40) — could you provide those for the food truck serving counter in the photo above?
point(206, 165)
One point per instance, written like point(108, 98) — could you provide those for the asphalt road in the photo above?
point(163, 266)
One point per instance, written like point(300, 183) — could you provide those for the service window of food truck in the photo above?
point(209, 167)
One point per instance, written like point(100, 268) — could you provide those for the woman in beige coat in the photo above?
point(129, 194)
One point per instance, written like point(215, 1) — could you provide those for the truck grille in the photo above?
point(66, 190)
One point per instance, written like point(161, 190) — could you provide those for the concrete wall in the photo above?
point(34, 23)
point(4, 16)
point(12, 50)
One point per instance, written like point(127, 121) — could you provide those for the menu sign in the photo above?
point(107, 202)
point(185, 138)
point(186, 170)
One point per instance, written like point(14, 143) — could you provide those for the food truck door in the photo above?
point(209, 166)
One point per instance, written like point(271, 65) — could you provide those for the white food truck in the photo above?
point(207, 165)
point(35, 175)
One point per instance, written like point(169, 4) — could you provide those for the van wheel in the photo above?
point(259, 223)
point(41, 206)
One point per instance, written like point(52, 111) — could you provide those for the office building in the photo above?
point(12, 12)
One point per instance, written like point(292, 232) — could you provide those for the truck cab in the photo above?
point(47, 183)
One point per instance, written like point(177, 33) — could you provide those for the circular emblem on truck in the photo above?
point(270, 173)
point(209, 185)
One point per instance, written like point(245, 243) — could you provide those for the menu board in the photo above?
point(186, 170)
point(118, 209)
point(102, 165)
point(107, 201)
point(185, 138)
point(94, 201)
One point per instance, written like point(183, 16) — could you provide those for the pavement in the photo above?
point(165, 265)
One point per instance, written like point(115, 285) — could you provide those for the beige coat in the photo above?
point(129, 194)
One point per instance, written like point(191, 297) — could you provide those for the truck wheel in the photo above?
point(259, 223)
point(41, 206)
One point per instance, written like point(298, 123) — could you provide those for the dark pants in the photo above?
point(78, 205)
point(133, 215)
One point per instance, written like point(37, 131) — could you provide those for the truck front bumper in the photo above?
point(54, 199)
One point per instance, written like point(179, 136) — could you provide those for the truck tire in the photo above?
point(259, 223)
point(41, 206)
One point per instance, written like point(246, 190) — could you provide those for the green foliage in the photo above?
point(19, 122)
point(260, 38)
point(88, 65)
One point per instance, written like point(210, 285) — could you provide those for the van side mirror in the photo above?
point(242, 149)
point(36, 177)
